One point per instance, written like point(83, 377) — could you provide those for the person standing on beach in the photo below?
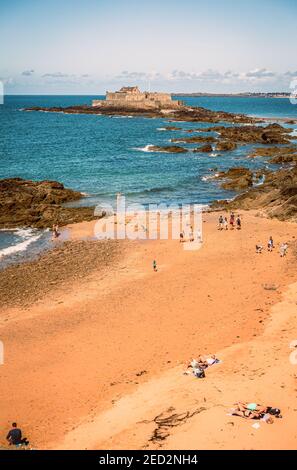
point(238, 222)
point(283, 249)
point(221, 222)
point(270, 244)
point(232, 219)
point(226, 223)
point(56, 232)
point(155, 266)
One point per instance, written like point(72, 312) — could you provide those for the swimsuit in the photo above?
point(252, 406)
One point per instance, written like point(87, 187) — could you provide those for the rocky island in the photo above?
point(131, 101)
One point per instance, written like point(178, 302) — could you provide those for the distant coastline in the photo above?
point(238, 95)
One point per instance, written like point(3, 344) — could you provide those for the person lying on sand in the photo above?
point(256, 411)
point(203, 362)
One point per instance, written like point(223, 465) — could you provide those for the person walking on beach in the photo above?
point(182, 237)
point(15, 438)
point(283, 249)
point(226, 223)
point(56, 232)
point(232, 220)
point(238, 222)
point(155, 266)
point(221, 222)
point(270, 244)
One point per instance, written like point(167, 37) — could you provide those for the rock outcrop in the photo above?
point(25, 203)
point(167, 149)
point(235, 179)
point(207, 148)
point(277, 155)
point(225, 145)
point(194, 140)
point(276, 197)
point(185, 113)
point(271, 134)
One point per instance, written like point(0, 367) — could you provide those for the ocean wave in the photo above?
point(157, 189)
point(161, 129)
point(28, 235)
point(209, 177)
point(121, 117)
point(146, 148)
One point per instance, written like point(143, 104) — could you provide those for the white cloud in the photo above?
point(28, 73)
point(260, 73)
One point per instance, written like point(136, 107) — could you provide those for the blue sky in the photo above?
point(89, 46)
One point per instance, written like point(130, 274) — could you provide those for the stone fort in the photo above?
point(132, 97)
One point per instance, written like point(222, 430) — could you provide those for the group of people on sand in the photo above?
point(224, 224)
point(198, 366)
point(283, 247)
point(256, 411)
point(245, 410)
point(183, 237)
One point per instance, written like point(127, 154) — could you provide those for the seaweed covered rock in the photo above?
point(38, 204)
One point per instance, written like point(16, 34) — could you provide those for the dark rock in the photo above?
point(224, 146)
point(167, 149)
point(204, 148)
point(236, 178)
point(193, 140)
point(38, 204)
point(277, 196)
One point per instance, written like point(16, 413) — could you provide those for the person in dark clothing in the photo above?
point(15, 438)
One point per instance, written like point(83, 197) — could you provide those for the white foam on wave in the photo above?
point(209, 177)
point(29, 236)
point(213, 154)
point(121, 117)
point(161, 129)
point(146, 148)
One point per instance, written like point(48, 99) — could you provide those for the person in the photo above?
point(191, 234)
point(238, 222)
point(283, 249)
point(15, 438)
point(56, 232)
point(255, 411)
point(259, 248)
point(182, 237)
point(232, 219)
point(270, 244)
point(155, 266)
point(226, 223)
point(221, 222)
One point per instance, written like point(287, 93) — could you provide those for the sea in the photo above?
point(101, 156)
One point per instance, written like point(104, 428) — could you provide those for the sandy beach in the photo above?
point(84, 359)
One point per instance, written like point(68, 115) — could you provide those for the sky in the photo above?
point(90, 46)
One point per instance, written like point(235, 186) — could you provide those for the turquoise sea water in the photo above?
point(101, 155)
